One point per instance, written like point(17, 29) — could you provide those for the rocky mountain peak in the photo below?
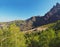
point(51, 16)
point(57, 4)
point(55, 10)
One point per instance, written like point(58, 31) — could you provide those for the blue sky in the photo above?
point(22, 9)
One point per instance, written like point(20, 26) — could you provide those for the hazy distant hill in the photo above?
point(6, 24)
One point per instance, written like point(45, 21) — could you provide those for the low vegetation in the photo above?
point(13, 37)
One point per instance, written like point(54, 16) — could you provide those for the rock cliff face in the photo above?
point(51, 16)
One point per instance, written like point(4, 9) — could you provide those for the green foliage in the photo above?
point(55, 42)
point(32, 39)
point(13, 37)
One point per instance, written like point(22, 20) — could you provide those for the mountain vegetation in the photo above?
point(13, 37)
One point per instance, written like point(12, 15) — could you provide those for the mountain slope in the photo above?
point(36, 21)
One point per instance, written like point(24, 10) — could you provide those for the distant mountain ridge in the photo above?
point(51, 16)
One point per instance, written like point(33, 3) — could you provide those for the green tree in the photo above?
point(46, 37)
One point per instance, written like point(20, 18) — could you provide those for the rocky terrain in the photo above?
point(36, 21)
